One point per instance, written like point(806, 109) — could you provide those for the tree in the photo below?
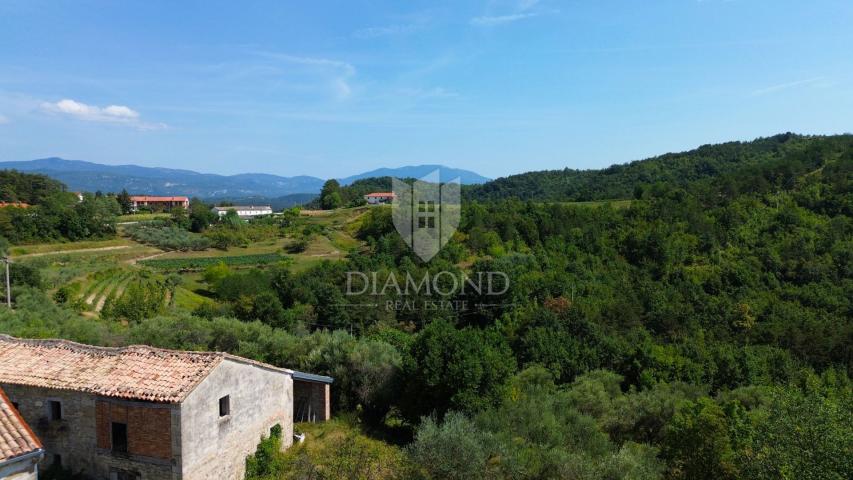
point(124, 201)
point(330, 195)
point(450, 450)
point(179, 217)
point(697, 443)
point(451, 369)
point(201, 215)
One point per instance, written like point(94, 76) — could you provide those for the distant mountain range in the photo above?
point(87, 176)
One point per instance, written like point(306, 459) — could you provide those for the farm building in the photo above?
point(380, 198)
point(312, 397)
point(145, 413)
point(138, 202)
point(244, 211)
point(20, 449)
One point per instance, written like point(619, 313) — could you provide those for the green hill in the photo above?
point(727, 162)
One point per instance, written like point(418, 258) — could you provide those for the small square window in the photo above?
point(430, 206)
point(431, 222)
point(55, 410)
point(225, 406)
point(422, 206)
point(421, 222)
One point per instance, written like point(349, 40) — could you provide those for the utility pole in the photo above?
point(8, 283)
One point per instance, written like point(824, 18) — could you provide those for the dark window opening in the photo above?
point(55, 410)
point(119, 437)
point(430, 206)
point(225, 406)
point(431, 222)
point(15, 404)
point(57, 460)
point(422, 206)
point(421, 222)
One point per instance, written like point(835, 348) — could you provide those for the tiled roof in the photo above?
point(135, 372)
point(381, 194)
point(16, 438)
point(153, 198)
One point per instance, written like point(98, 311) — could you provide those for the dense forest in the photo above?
point(707, 163)
point(701, 331)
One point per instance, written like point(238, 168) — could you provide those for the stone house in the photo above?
point(144, 413)
point(20, 449)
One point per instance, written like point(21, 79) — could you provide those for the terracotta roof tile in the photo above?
point(16, 438)
point(135, 372)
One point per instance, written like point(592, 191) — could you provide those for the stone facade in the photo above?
point(73, 440)
point(215, 446)
point(191, 440)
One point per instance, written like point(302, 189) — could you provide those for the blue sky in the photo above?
point(336, 88)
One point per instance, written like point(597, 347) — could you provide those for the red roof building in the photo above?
point(20, 449)
point(377, 198)
point(158, 203)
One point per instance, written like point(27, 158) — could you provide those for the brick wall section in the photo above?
point(149, 430)
point(313, 400)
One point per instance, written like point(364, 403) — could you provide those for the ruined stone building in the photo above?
point(20, 449)
point(143, 413)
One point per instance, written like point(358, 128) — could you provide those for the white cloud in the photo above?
point(494, 20)
point(110, 114)
point(817, 81)
point(3, 119)
point(388, 30)
point(521, 10)
point(338, 70)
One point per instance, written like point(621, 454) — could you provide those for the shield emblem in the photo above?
point(426, 213)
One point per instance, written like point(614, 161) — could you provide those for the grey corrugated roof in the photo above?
point(310, 377)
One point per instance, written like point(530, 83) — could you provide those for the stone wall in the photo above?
point(75, 441)
point(216, 447)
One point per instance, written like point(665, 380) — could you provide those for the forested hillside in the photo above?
point(706, 163)
point(52, 213)
point(704, 331)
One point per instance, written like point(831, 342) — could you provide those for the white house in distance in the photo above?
point(244, 211)
point(380, 198)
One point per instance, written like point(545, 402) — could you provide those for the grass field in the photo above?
point(200, 263)
point(50, 248)
point(94, 272)
point(141, 217)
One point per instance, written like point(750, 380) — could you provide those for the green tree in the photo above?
point(330, 195)
point(124, 202)
point(697, 443)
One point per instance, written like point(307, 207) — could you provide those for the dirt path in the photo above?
point(133, 261)
point(81, 250)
